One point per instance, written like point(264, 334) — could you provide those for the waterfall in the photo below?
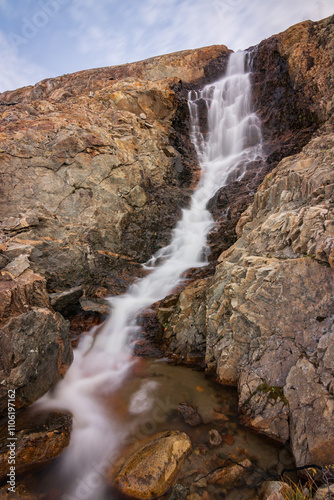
point(232, 141)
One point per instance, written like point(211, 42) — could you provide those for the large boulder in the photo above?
point(35, 349)
point(152, 469)
point(39, 439)
point(35, 353)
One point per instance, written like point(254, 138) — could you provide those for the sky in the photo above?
point(47, 38)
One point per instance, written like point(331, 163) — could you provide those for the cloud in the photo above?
point(15, 70)
point(82, 34)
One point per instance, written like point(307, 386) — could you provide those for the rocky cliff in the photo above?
point(93, 177)
point(264, 322)
point(95, 168)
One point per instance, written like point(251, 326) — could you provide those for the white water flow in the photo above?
point(101, 362)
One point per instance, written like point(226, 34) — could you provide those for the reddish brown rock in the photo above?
point(102, 153)
point(39, 439)
point(19, 295)
point(35, 353)
point(189, 414)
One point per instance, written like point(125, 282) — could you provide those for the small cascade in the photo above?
point(103, 359)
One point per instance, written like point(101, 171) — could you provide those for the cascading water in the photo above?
point(101, 362)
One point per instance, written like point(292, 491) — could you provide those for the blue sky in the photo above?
point(47, 38)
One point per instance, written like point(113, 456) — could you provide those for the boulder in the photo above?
point(231, 475)
point(35, 353)
point(152, 469)
point(275, 490)
point(39, 439)
point(189, 414)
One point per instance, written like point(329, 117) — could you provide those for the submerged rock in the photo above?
point(189, 414)
point(151, 470)
point(231, 475)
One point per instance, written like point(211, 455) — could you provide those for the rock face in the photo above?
point(265, 320)
point(269, 308)
point(91, 183)
point(151, 471)
point(35, 349)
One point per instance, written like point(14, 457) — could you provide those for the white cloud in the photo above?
point(89, 33)
point(15, 70)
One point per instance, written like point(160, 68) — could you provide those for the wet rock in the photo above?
point(152, 469)
point(15, 268)
point(64, 301)
point(231, 475)
point(215, 439)
point(217, 416)
point(35, 353)
point(95, 305)
point(324, 493)
point(12, 224)
point(275, 490)
point(293, 85)
point(189, 414)
point(39, 439)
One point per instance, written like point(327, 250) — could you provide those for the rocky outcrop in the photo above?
point(269, 308)
point(91, 180)
point(35, 348)
point(264, 322)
